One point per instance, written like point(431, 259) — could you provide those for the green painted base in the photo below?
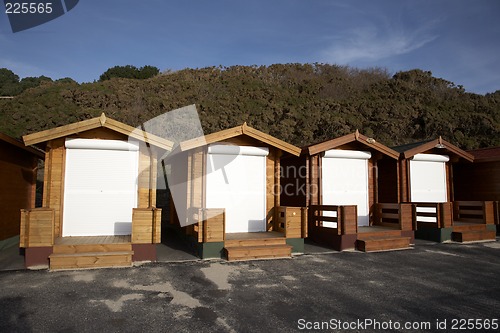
point(211, 250)
point(434, 234)
point(491, 227)
point(297, 244)
point(9, 242)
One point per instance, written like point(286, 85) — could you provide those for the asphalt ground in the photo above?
point(431, 287)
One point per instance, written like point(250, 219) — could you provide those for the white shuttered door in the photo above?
point(100, 187)
point(345, 181)
point(236, 181)
point(428, 178)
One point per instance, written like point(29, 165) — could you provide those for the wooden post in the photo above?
point(488, 212)
point(340, 220)
point(303, 212)
point(153, 226)
point(405, 216)
point(445, 215)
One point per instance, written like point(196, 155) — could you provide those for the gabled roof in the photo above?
point(94, 123)
point(353, 137)
point(237, 131)
point(489, 154)
point(408, 151)
point(20, 145)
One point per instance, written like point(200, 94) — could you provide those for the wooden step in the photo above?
point(59, 261)
point(370, 244)
point(469, 227)
point(258, 252)
point(473, 235)
point(255, 242)
point(86, 248)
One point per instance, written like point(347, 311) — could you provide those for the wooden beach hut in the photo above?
point(18, 176)
point(99, 200)
point(351, 193)
point(427, 181)
point(227, 195)
point(480, 180)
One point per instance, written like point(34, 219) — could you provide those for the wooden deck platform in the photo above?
point(91, 252)
point(93, 240)
point(256, 245)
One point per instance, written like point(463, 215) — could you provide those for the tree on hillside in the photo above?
point(129, 72)
point(9, 83)
point(32, 82)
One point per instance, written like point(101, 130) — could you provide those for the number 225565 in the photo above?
point(28, 8)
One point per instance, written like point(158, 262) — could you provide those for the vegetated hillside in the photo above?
point(299, 103)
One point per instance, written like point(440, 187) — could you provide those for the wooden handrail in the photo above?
point(292, 221)
point(346, 218)
point(482, 212)
point(394, 214)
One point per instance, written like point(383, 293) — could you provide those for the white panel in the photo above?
point(237, 150)
point(427, 181)
point(430, 158)
point(345, 182)
point(100, 192)
point(101, 144)
point(338, 153)
point(328, 224)
point(426, 219)
point(426, 209)
point(238, 184)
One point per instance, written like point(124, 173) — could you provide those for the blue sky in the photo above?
point(455, 39)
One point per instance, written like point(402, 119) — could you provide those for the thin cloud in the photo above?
point(372, 44)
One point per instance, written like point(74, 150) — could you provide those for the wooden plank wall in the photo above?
point(372, 187)
point(405, 181)
point(445, 214)
point(213, 225)
point(293, 181)
point(271, 214)
point(314, 183)
point(53, 196)
point(37, 227)
point(293, 216)
point(349, 220)
point(147, 176)
point(388, 190)
point(477, 181)
point(18, 183)
point(146, 225)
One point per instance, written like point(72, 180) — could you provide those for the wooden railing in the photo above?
point(292, 221)
point(436, 215)
point(146, 225)
point(343, 220)
point(211, 225)
point(481, 212)
point(37, 227)
point(393, 215)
